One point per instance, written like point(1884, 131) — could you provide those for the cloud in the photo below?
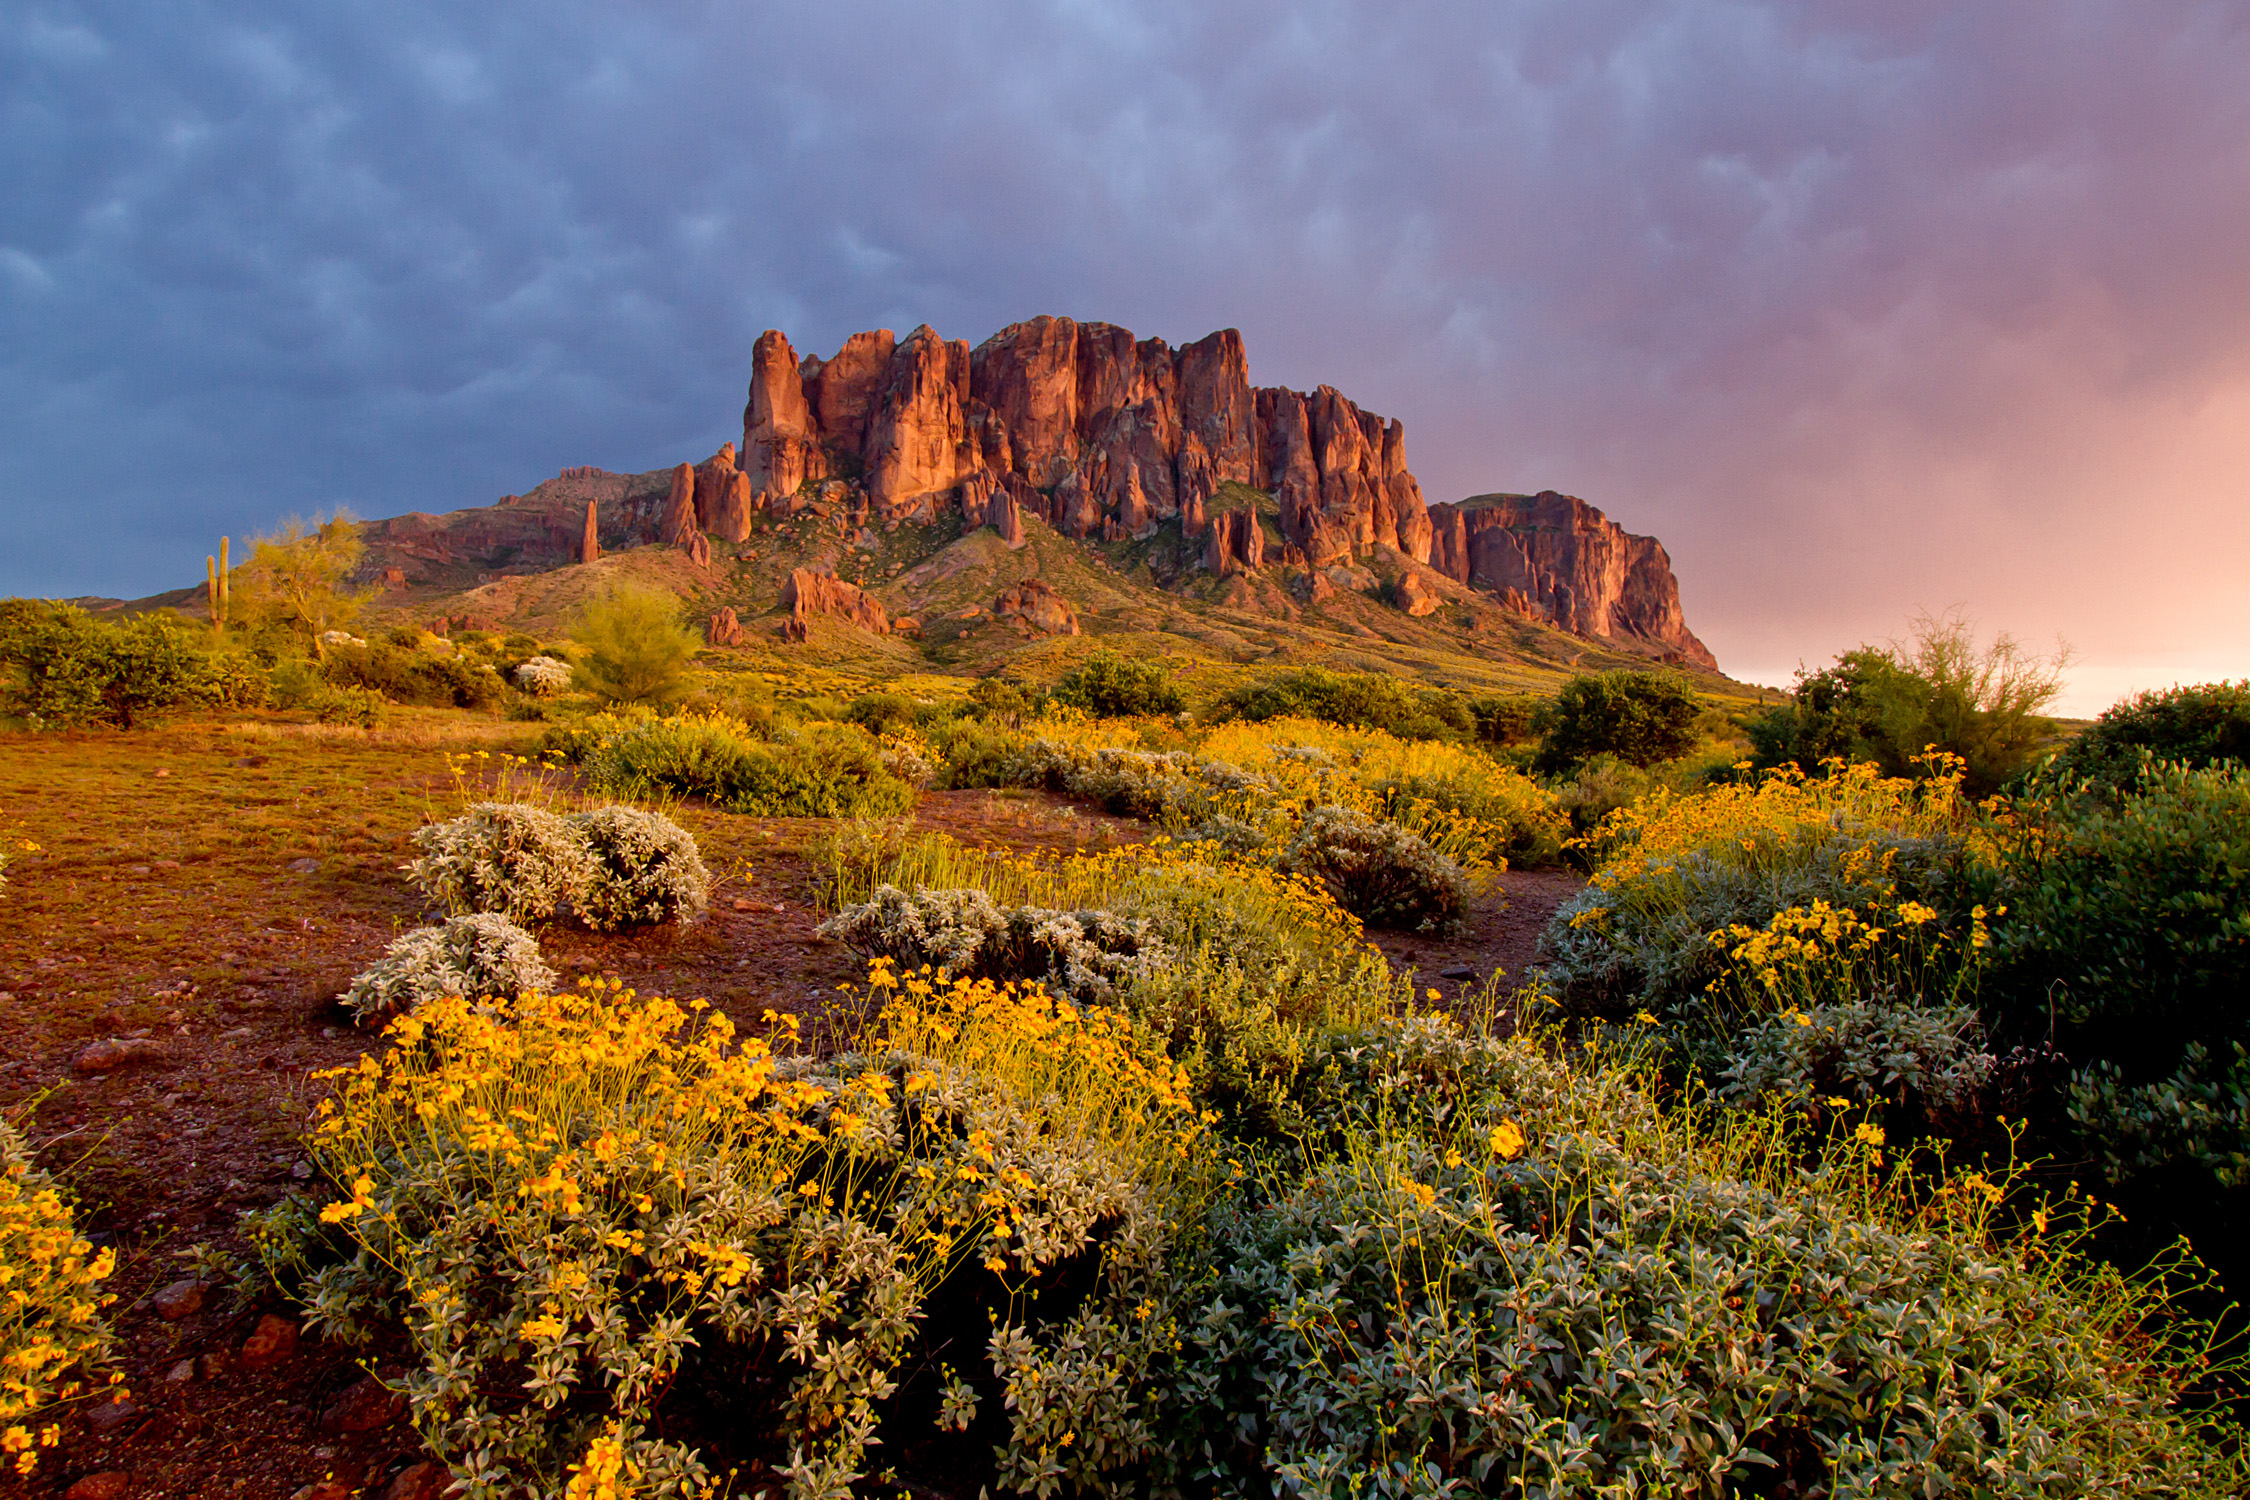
point(1861, 307)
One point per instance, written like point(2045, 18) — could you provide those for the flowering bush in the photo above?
point(1507, 1272)
point(1684, 884)
point(1083, 954)
point(477, 955)
point(543, 676)
point(644, 869)
point(520, 861)
point(51, 1329)
point(679, 1248)
point(1378, 871)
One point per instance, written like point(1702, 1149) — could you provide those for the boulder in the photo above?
point(270, 1343)
point(809, 593)
point(724, 629)
point(699, 549)
point(1037, 606)
point(1416, 597)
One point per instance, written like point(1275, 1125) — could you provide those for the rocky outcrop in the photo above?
point(724, 629)
point(808, 594)
point(1236, 543)
point(679, 520)
point(1036, 606)
point(1555, 557)
point(590, 539)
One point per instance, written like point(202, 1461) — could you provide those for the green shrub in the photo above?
point(998, 698)
point(884, 713)
point(976, 752)
point(1378, 871)
point(358, 707)
point(1360, 700)
point(823, 771)
point(636, 650)
point(1506, 718)
point(2127, 939)
point(474, 956)
point(1110, 686)
point(1639, 717)
point(1542, 1294)
point(1929, 1060)
point(2195, 726)
point(406, 675)
point(65, 667)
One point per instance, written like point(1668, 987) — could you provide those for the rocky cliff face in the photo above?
point(1106, 436)
point(1557, 557)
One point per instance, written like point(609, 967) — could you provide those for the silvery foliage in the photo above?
point(334, 638)
point(475, 956)
point(543, 676)
point(1376, 870)
point(611, 866)
point(1165, 786)
point(645, 869)
point(1086, 955)
point(904, 762)
point(507, 857)
point(1866, 1052)
point(1654, 945)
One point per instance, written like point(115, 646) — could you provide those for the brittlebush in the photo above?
point(51, 1328)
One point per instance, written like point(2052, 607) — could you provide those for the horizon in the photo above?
point(1859, 311)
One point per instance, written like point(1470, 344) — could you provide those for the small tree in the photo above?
point(299, 576)
point(2204, 725)
point(1639, 717)
point(636, 649)
point(1890, 704)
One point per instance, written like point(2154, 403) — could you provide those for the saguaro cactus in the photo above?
point(215, 587)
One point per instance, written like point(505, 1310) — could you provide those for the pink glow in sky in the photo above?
point(1862, 308)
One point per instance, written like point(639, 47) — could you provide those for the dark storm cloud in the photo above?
point(1858, 306)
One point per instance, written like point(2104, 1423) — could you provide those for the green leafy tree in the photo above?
point(1110, 686)
point(1639, 717)
point(636, 649)
point(299, 577)
point(1891, 704)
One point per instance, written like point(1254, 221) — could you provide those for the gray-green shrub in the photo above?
point(477, 955)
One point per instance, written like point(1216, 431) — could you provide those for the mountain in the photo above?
point(1258, 497)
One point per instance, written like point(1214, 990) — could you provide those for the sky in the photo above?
point(1862, 308)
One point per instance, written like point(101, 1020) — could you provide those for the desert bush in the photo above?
point(975, 752)
point(474, 956)
point(2193, 1123)
point(1930, 1059)
point(1762, 888)
point(233, 680)
point(820, 771)
point(1110, 686)
point(1447, 1311)
point(883, 714)
point(2204, 725)
point(65, 667)
point(358, 707)
point(684, 1250)
point(1377, 871)
point(1361, 700)
point(1599, 786)
point(543, 676)
point(52, 1334)
point(1002, 700)
point(509, 858)
point(644, 869)
point(2127, 939)
point(297, 580)
point(636, 650)
point(1085, 955)
point(1892, 704)
point(1639, 717)
point(408, 675)
point(1506, 718)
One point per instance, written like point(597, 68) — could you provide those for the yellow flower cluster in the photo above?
point(1642, 841)
point(50, 1305)
point(605, 1473)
